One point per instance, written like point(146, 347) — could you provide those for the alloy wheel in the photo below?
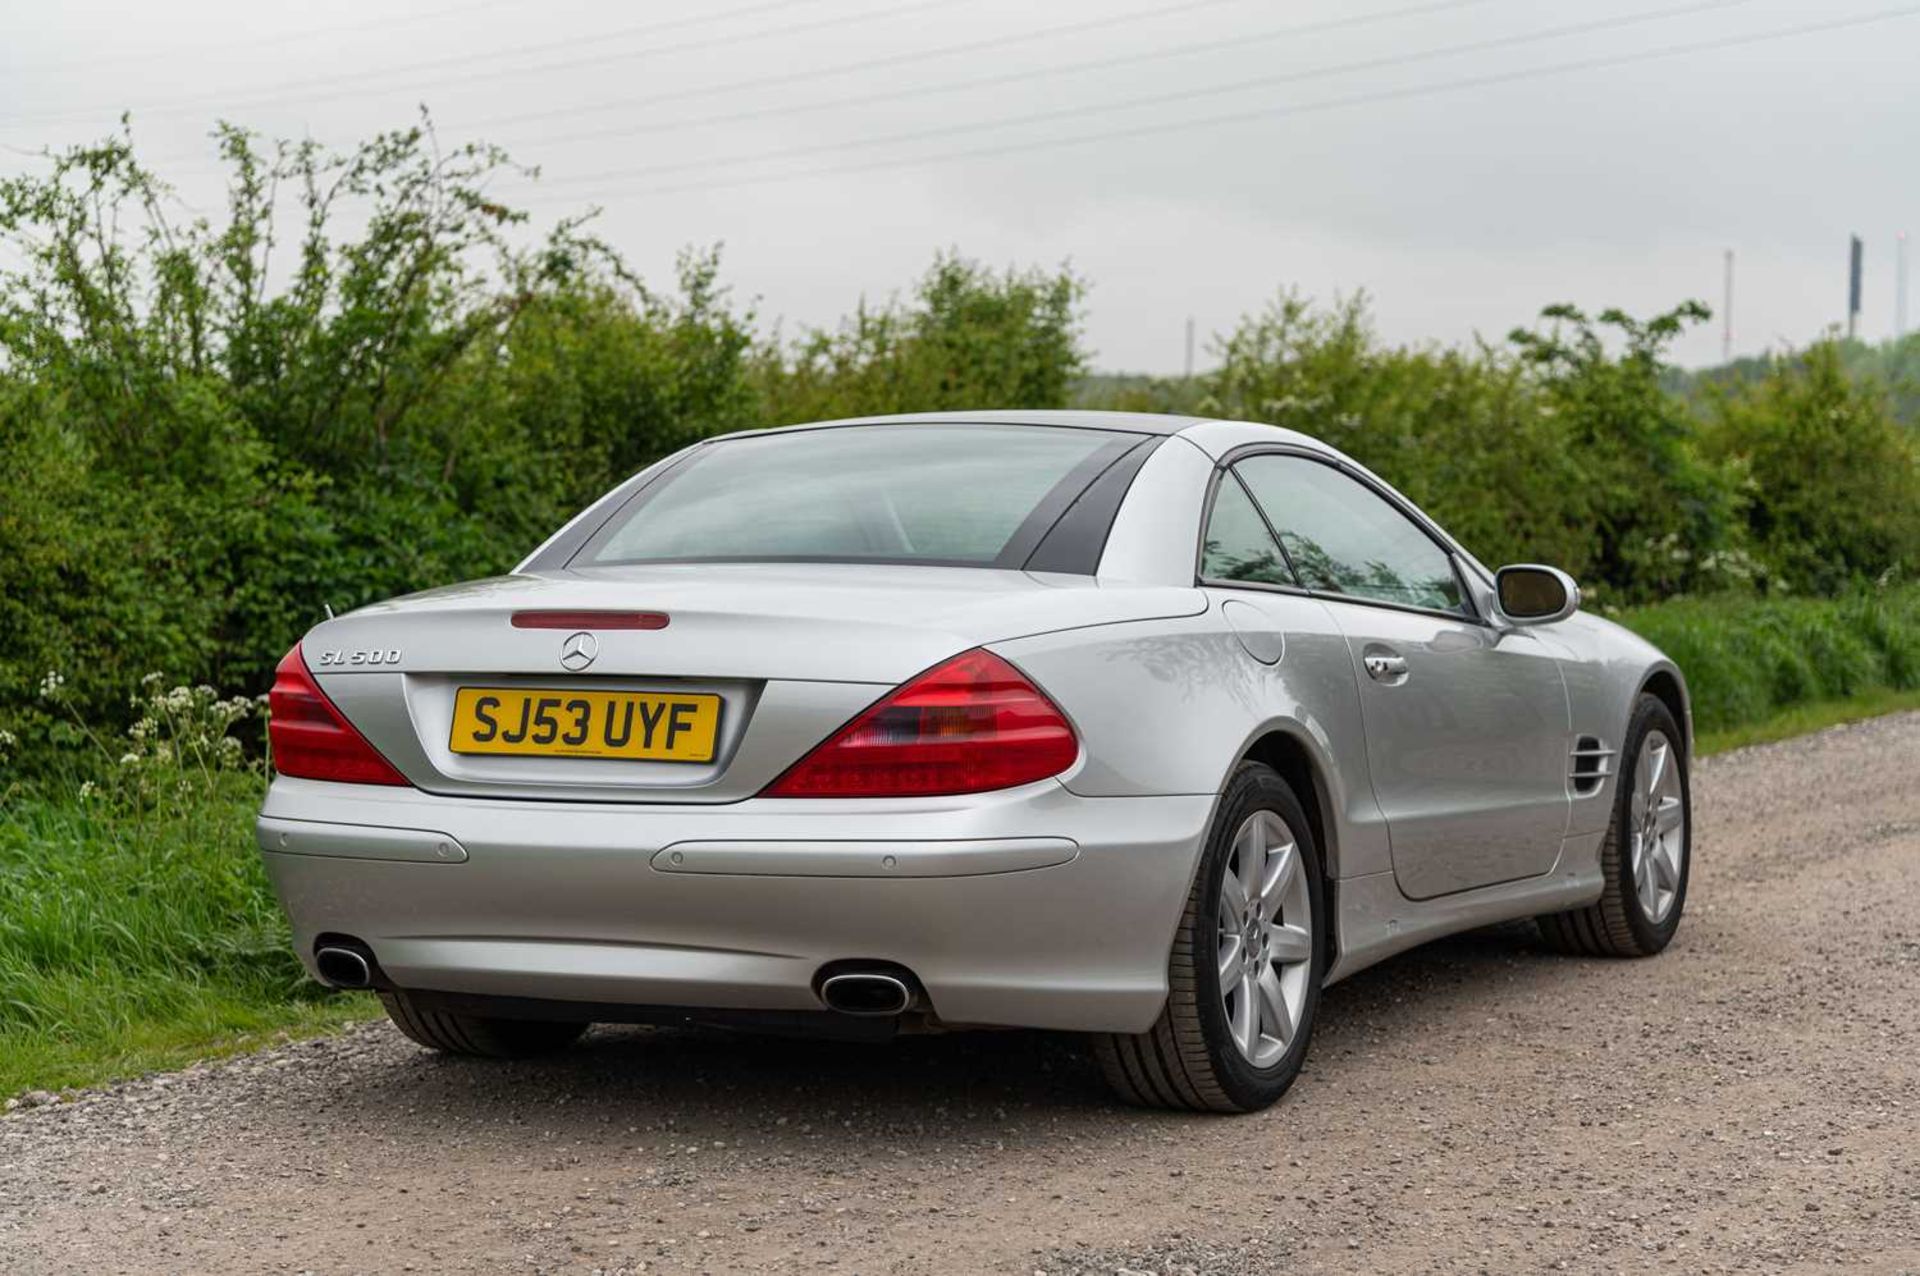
point(1265, 951)
point(1658, 818)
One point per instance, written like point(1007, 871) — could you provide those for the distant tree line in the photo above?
point(1891, 367)
point(1576, 443)
point(366, 376)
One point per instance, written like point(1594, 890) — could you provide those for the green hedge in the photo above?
point(202, 445)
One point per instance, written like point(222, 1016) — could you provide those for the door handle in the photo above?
point(1386, 668)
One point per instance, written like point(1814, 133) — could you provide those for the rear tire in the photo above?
point(478, 1035)
point(1204, 1054)
point(1648, 854)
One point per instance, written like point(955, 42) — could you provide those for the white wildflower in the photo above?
point(51, 684)
point(89, 789)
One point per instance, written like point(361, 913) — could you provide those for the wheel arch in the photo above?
point(1288, 751)
point(1665, 684)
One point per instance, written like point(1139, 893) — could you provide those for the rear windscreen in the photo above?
point(974, 495)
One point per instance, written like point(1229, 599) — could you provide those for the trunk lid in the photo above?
point(791, 650)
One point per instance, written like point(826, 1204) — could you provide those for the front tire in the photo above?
point(1648, 854)
point(479, 1035)
point(1246, 966)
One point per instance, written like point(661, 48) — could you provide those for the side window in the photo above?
point(1345, 539)
point(1238, 545)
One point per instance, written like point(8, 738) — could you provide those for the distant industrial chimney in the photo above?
point(1853, 286)
point(1726, 314)
point(1900, 286)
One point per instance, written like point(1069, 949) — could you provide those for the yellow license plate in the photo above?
point(586, 724)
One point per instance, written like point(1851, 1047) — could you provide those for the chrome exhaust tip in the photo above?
point(866, 993)
point(343, 967)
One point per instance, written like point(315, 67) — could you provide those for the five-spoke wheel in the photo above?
point(1243, 980)
point(1644, 860)
point(1266, 938)
point(1658, 811)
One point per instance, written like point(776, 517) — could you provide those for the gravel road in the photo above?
point(1748, 1101)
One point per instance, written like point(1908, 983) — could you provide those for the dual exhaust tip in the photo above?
point(346, 965)
point(868, 993)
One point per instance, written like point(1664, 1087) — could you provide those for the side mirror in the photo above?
point(1530, 594)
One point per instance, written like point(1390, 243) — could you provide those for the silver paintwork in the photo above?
point(1658, 838)
point(1443, 782)
point(1466, 747)
point(784, 858)
point(357, 841)
point(1154, 535)
point(562, 900)
point(1264, 948)
point(794, 649)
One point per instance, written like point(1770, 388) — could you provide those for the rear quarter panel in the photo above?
point(1170, 706)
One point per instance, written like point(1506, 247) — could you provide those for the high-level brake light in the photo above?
point(589, 620)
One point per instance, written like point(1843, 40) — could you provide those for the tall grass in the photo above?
point(137, 928)
point(131, 943)
point(1749, 659)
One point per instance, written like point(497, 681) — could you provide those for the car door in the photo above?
point(1466, 724)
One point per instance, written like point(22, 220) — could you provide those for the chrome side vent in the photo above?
point(1592, 763)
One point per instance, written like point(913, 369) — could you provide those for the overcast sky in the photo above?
point(1464, 161)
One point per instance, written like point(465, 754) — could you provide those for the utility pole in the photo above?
point(1189, 347)
point(1900, 286)
point(1726, 314)
point(1853, 285)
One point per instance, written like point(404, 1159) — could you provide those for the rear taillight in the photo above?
point(972, 724)
point(310, 739)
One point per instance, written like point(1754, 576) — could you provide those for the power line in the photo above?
point(883, 61)
point(332, 86)
point(1264, 113)
point(1009, 77)
point(917, 55)
point(92, 62)
point(1162, 99)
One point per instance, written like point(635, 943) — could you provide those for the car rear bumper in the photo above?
point(1030, 908)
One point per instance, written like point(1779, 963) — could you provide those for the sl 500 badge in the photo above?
point(372, 656)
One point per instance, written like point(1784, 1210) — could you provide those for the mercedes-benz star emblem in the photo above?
point(578, 651)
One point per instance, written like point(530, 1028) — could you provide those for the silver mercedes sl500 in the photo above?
point(1142, 727)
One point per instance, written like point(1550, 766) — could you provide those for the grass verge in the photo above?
point(202, 1025)
point(1805, 718)
point(139, 939)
